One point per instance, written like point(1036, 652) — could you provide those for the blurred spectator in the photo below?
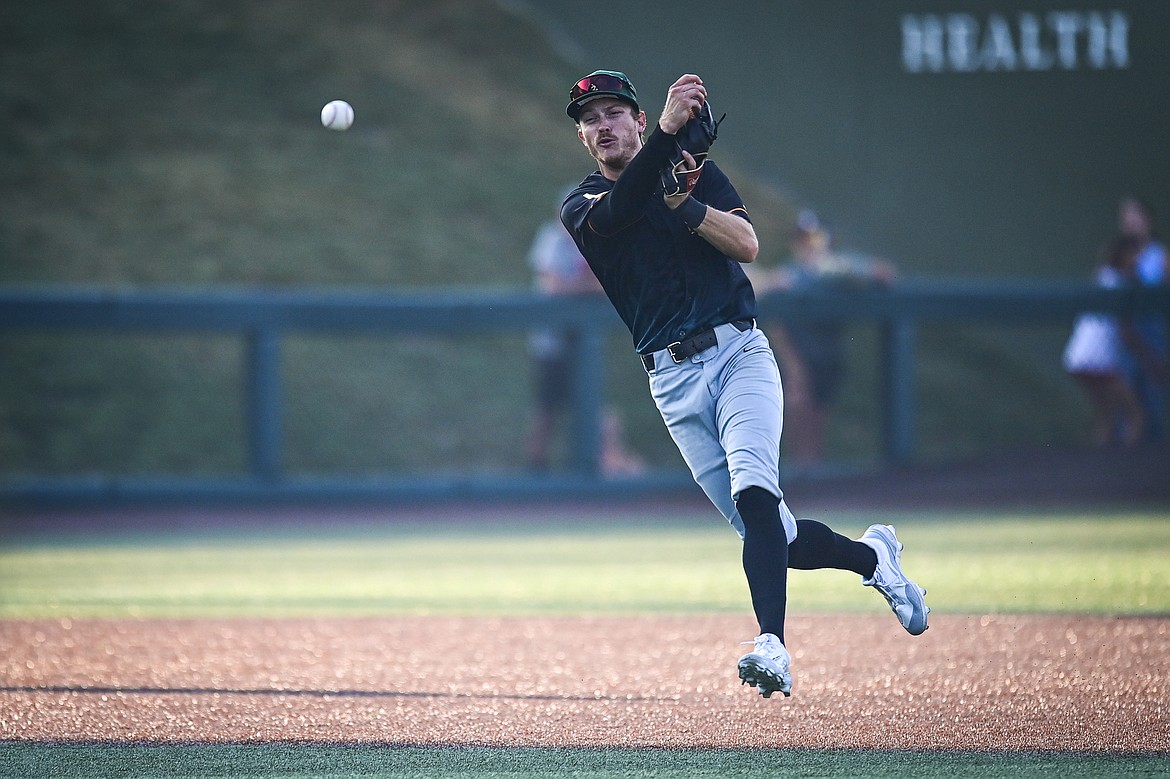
point(812, 353)
point(560, 269)
point(1096, 356)
point(1147, 348)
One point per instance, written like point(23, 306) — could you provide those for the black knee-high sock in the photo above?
point(765, 557)
point(817, 546)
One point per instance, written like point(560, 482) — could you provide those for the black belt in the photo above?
point(683, 350)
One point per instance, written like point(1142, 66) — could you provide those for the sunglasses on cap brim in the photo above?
point(602, 82)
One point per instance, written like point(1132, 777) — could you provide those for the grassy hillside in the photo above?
point(179, 144)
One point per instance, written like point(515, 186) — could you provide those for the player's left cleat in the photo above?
point(766, 667)
point(906, 598)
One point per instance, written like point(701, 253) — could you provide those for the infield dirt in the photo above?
point(1001, 683)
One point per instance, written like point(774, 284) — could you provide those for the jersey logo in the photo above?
point(594, 195)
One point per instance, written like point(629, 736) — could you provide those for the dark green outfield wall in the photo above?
point(957, 138)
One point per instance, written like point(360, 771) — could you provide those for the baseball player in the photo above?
point(665, 232)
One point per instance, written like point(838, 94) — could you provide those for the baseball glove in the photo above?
point(695, 137)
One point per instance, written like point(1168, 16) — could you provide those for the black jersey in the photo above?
point(666, 282)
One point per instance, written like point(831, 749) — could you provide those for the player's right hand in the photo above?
point(684, 99)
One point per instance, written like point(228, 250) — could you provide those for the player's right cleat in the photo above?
point(766, 667)
point(905, 597)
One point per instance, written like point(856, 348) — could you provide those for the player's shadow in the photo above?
point(313, 693)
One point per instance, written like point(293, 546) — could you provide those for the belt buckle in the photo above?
point(671, 347)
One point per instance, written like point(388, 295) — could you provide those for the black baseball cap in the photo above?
point(600, 83)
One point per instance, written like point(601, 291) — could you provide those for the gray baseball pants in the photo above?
point(724, 408)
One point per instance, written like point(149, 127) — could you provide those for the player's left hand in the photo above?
point(686, 173)
point(692, 144)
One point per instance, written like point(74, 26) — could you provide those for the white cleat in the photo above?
point(905, 597)
point(766, 667)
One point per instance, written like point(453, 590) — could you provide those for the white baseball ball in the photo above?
point(337, 115)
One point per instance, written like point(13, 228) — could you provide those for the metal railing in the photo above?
point(265, 318)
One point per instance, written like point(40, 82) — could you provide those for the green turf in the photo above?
point(577, 563)
point(63, 762)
